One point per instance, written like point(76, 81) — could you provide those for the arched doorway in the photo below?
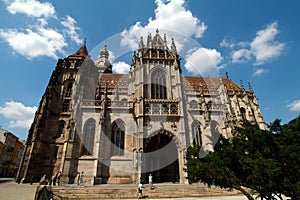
point(160, 158)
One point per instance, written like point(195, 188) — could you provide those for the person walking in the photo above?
point(150, 181)
point(58, 178)
point(53, 179)
point(77, 178)
point(81, 179)
point(140, 191)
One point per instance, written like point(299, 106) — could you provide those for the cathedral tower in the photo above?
point(118, 128)
point(52, 137)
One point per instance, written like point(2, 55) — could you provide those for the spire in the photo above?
point(157, 41)
point(104, 53)
point(102, 62)
point(165, 41)
point(250, 88)
point(242, 85)
point(141, 46)
point(82, 52)
point(149, 41)
point(173, 47)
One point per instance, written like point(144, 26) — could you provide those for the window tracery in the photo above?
point(117, 139)
point(158, 85)
point(196, 133)
point(89, 134)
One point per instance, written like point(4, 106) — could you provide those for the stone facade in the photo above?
point(118, 128)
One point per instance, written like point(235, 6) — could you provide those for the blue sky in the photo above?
point(254, 41)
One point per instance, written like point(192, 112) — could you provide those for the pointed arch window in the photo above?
point(215, 133)
point(117, 138)
point(243, 113)
point(88, 138)
point(66, 105)
point(60, 131)
point(69, 90)
point(196, 133)
point(158, 85)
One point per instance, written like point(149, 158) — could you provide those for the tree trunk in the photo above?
point(244, 191)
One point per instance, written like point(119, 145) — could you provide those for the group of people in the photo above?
point(140, 187)
point(55, 179)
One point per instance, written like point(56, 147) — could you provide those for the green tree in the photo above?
point(257, 152)
point(254, 160)
point(220, 168)
point(275, 126)
point(289, 141)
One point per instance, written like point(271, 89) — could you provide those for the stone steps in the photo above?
point(129, 191)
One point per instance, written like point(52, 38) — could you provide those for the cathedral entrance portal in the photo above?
point(160, 159)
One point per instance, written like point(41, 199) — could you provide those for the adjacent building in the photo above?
point(11, 150)
point(118, 128)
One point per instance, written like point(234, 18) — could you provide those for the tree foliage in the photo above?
point(264, 161)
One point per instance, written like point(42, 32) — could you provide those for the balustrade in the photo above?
point(163, 108)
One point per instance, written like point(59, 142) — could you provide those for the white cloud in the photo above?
point(172, 16)
point(259, 72)
point(37, 38)
point(19, 115)
point(132, 36)
point(202, 60)
point(70, 24)
point(31, 44)
point(294, 106)
point(31, 8)
point(264, 46)
point(111, 56)
point(243, 44)
point(262, 49)
point(120, 67)
point(226, 43)
point(241, 56)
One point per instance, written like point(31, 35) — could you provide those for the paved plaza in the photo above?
point(9, 190)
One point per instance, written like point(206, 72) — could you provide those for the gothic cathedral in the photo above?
point(118, 128)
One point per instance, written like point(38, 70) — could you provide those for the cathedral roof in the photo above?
point(82, 52)
point(111, 80)
point(209, 83)
point(230, 84)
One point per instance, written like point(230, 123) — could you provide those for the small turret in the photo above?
point(173, 47)
point(102, 63)
point(141, 45)
point(158, 42)
point(165, 42)
point(149, 41)
point(250, 88)
point(242, 85)
point(104, 53)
